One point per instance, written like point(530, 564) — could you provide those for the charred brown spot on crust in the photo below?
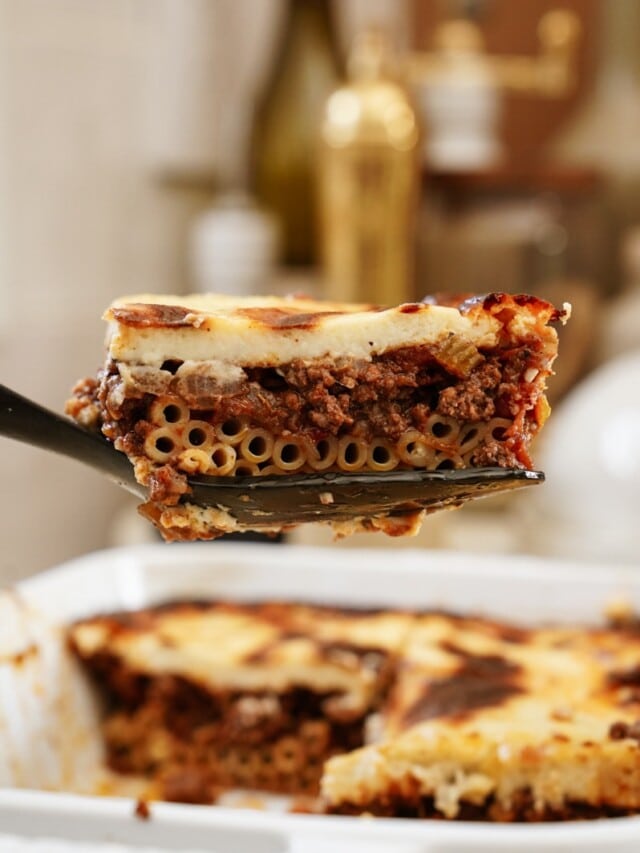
point(454, 649)
point(281, 318)
point(512, 634)
point(411, 308)
point(522, 299)
point(624, 731)
point(481, 681)
point(625, 677)
point(291, 318)
point(534, 302)
point(141, 316)
point(492, 301)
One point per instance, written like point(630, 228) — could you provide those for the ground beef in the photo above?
point(364, 397)
point(328, 412)
point(383, 397)
point(512, 393)
point(166, 485)
point(83, 405)
point(473, 398)
point(495, 453)
point(130, 441)
point(122, 415)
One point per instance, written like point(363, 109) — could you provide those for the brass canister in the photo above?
point(369, 181)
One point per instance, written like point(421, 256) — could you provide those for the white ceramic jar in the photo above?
point(233, 247)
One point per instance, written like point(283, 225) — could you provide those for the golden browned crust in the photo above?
point(308, 314)
point(272, 645)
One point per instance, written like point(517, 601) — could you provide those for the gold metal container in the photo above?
point(369, 181)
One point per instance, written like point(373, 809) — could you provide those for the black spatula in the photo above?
point(268, 501)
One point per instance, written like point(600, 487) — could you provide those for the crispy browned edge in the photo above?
point(146, 315)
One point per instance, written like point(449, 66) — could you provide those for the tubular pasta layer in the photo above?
point(235, 447)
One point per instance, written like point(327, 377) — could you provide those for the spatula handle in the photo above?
point(30, 423)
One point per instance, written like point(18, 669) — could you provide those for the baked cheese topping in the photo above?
point(149, 329)
point(227, 647)
point(521, 721)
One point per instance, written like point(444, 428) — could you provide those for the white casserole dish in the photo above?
point(49, 735)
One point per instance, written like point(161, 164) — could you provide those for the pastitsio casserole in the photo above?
point(208, 696)
point(463, 717)
point(263, 386)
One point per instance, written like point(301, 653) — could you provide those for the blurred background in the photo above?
point(365, 149)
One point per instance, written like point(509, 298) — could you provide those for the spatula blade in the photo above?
point(296, 499)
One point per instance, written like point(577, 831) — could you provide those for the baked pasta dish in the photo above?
point(253, 387)
point(392, 713)
point(211, 696)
